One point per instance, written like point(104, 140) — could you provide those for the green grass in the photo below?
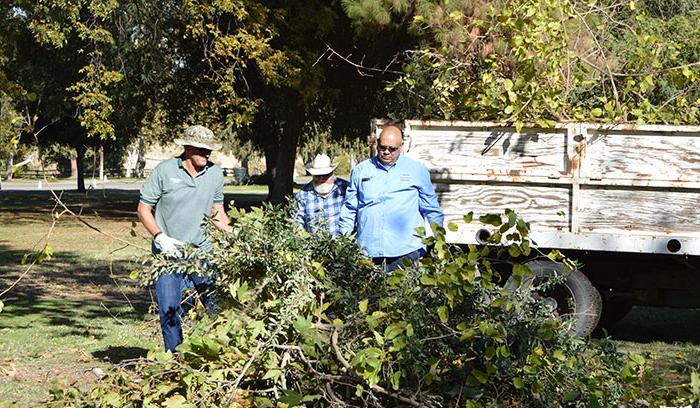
point(43, 339)
point(80, 310)
point(671, 337)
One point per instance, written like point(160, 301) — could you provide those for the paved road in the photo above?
point(69, 185)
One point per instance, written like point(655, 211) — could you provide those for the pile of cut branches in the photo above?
point(311, 321)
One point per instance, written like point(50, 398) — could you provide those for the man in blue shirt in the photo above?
point(182, 190)
point(318, 203)
point(389, 196)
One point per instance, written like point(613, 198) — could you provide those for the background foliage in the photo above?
point(544, 61)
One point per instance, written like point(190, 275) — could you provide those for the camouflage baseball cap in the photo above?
point(199, 136)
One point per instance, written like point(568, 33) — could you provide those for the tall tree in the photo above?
point(545, 60)
point(256, 69)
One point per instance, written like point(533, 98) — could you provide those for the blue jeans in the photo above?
point(172, 307)
point(393, 262)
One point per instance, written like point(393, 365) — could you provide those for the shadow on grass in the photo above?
point(648, 324)
point(28, 206)
point(92, 320)
point(69, 274)
point(117, 354)
point(24, 207)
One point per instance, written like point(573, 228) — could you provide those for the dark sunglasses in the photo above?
point(391, 149)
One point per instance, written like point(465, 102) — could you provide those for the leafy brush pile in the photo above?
point(311, 321)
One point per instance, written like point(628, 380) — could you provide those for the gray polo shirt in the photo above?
point(182, 201)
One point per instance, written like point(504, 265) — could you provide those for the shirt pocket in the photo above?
point(371, 189)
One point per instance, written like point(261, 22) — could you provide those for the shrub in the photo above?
point(311, 321)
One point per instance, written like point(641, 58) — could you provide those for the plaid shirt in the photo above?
point(314, 210)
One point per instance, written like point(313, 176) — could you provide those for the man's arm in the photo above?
point(348, 212)
point(219, 218)
point(148, 197)
point(428, 203)
point(218, 214)
point(145, 213)
point(298, 209)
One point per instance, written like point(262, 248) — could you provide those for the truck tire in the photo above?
point(575, 298)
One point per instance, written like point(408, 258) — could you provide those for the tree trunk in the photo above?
point(270, 167)
point(283, 181)
point(102, 163)
point(73, 167)
point(10, 162)
point(80, 167)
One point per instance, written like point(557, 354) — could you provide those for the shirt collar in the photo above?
point(204, 169)
point(386, 167)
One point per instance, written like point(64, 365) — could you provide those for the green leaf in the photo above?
point(467, 334)
point(273, 373)
point(518, 383)
point(394, 379)
point(378, 338)
point(491, 219)
point(363, 305)
point(290, 398)
point(519, 125)
point(134, 275)
point(507, 84)
point(521, 271)
point(571, 395)
point(311, 398)
point(468, 218)
point(452, 227)
point(443, 314)
point(596, 112)
point(392, 331)
point(112, 399)
point(176, 401)
point(559, 355)
point(514, 251)
point(480, 376)
point(427, 280)
point(636, 358)
point(302, 325)
point(242, 293)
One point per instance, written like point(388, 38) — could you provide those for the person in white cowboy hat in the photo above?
point(182, 191)
point(318, 203)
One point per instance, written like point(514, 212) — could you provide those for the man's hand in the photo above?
point(168, 246)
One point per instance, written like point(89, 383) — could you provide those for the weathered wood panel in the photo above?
point(538, 205)
point(639, 210)
point(642, 155)
point(495, 151)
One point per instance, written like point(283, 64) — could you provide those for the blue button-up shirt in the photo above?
point(314, 210)
point(385, 205)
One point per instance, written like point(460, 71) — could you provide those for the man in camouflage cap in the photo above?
point(182, 190)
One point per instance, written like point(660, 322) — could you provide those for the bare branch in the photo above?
point(361, 69)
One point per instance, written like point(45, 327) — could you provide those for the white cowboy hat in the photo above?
point(321, 165)
point(199, 136)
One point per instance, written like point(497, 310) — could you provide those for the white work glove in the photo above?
point(168, 246)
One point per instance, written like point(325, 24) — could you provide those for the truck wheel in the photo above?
point(575, 298)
